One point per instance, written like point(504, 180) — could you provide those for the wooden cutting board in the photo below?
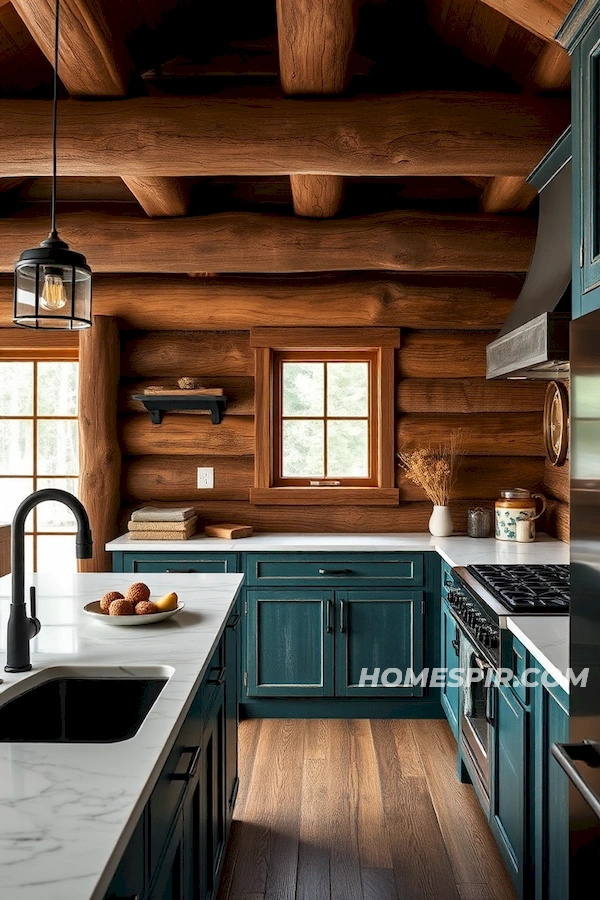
point(179, 392)
point(228, 531)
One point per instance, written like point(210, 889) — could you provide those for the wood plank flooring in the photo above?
point(339, 809)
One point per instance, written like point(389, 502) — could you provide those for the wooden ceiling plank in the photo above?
point(423, 133)
point(507, 194)
point(542, 17)
point(404, 241)
point(316, 40)
point(160, 196)
point(551, 70)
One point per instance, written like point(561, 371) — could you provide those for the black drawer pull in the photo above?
point(336, 572)
point(234, 621)
point(328, 625)
point(181, 571)
point(187, 776)
point(217, 679)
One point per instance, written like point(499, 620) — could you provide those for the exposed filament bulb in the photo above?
point(53, 295)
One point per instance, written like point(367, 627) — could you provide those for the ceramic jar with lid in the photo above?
point(516, 512)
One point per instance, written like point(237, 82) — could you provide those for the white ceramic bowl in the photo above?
point(93, 610)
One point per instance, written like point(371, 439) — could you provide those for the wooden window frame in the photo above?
point(381, 344)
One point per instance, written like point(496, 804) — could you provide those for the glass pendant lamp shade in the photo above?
point(53, 288)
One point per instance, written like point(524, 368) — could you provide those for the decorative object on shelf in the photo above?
point(435, 469)
point(158, 404)
point(516, 505)
point(556, 423)
point(158, 390)
point(479, 522)
point(228, 531)
point(53, 284)
point(188, 384)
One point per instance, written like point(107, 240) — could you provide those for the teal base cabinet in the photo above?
point(450, 692)
point(316, 643)
point(177, 848)
point(179, 563)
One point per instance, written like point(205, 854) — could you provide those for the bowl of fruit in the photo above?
point(134, 607)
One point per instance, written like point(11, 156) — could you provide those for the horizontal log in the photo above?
point(402, 241)
point(486, 434)
point(484, 476)
point(468, 395)
point(186, 436)
point(558, 520)
point(28, 343)
point(407, 517)
point(239, 393)
point(427, 133)
point(557, 481)
point(443, 355)
point(176, 353)
point(233, 302)
point(172, 477)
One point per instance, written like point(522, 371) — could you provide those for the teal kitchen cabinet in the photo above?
point(315, 643)
point(449, 643)
point(232, 715)
point(290, 636)
point(509, 812)
point(130, 878)
point(179, 562)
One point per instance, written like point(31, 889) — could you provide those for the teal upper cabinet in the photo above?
point(580, 35)
point(290, 643)
point(383, 630)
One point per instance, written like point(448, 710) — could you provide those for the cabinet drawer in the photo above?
point(180, 562)
point(283, 569)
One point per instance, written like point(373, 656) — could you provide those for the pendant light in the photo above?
point(53, 285)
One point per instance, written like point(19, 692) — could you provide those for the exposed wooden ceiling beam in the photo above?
point(429, 133)
point(93, 57)
point(541, 17)
point(160, 196)
point(404, 241)
point(316, 40)
point(507, 194)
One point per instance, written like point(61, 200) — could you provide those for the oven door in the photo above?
point(477, 717)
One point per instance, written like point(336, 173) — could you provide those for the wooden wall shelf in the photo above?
point(158, 404)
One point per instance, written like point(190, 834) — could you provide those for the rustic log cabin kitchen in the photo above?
point(299, 450)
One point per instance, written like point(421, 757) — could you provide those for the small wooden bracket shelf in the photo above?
point(158, 404)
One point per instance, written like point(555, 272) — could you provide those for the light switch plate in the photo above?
point(205, 477)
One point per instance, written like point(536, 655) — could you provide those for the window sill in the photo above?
point(324, 496)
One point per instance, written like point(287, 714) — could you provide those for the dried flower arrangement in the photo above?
point(434, 469)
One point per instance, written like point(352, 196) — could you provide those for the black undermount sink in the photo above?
point(75, 709)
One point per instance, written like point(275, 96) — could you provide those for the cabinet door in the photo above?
point(169, 883)
point(232, 663)
point(378, 630)
point(215, 803)
point(450, 693)
point(587, 147)
point(510, 810)
point(290, 643)
point(130, 878)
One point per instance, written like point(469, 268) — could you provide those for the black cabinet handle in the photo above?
point(329, 611)
point(181, 571)
point(217, 679)
point(187, 776)
point(234, 621)
point(489, 705)
point(587, 752)
point(456, 641)
point(336, 572)
point(342, 616)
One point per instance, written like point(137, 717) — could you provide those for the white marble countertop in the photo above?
point(458, 550)
point(547, 639)
point(67, 811)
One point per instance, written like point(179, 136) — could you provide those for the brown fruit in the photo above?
point(145, 608)
point(137, 592)
point(121, 608)
point(108, 599)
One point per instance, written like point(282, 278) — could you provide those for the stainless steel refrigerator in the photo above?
point(581, 756)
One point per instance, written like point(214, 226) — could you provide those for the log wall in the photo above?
point(440, 386)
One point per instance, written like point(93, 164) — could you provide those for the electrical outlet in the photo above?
point(205, 478)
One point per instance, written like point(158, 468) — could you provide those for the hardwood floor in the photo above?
point(337, 809)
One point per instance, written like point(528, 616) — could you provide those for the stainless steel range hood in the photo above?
point(534, 341)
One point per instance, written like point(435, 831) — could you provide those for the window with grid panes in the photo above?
point(39, 449)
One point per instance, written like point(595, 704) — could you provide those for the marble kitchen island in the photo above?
point(67, 810)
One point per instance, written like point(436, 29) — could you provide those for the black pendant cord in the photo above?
point(53, 232)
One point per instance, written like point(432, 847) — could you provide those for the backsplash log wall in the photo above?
point(440, 385)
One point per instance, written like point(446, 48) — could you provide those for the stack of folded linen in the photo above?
point(154, 524)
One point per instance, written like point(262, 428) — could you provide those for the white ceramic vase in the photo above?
point(440, 522)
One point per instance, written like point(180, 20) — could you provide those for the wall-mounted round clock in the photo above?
point(556, 423)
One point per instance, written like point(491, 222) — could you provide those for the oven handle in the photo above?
point(490, 710)
point(456, 642)
point(587, 752)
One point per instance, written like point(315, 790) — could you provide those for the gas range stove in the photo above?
point(483, 596)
